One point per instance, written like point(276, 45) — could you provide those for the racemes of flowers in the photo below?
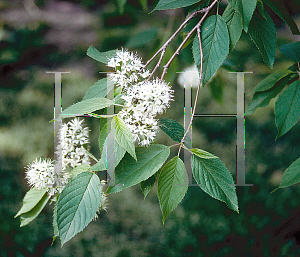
point(144, 98)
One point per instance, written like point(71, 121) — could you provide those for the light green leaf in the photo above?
point(79, 169)
point(131, 172)
point(86, 106)
point(102, 133)
point(261, 99)
point(287, 108)
point(291, 175)
point(31, 199)
point(100, 57)
point(213, 178)
point(143, 38)
point(263, 33)
point(77, 205)
point(29, 216)
point(291, 50)
point(203, 154)
point(175, 131)
point(234, 22)
point(99, 89)
point(279, 8)
point(245, 8)
point(270, 81)
point(174, 4)
point(99, 166)
point(123, 136)
point(148, 184)
point(171, 186)
point(121, 5)
point(215, 44)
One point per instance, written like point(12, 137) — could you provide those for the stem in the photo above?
point(206, 11)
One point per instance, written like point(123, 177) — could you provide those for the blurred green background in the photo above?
point(41, 36)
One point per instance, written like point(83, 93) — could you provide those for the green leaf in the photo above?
point(215, 44)
point(77, 205)
point(100, 57)
point(144, 4)
point(121, 5)
point(260, 8)
point(102, 133)
point(123, 136)
point(234, 22)
point(291, 175)
point(31, 199)
point(245, 8)
point(203, 154)
point(261, 99)
point(29, 216)
point(86, 106)
point(270, 81)
point(279, 8)
point(263, 33)
point(213, 178)
point(171, 186)
point(131, 172)
point(148, 184)
point(99, 166)
point(174, 4)
point(287, 108)
point(79, 169)
point(216, 86)
point(175, 131)
point(99, 89)
point(291, 50)
point(143, 38)
point(55, 226)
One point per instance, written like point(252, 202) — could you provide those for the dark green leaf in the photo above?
point(143, 38)
point(144, 4)
point(86, 106)
point(99, 89)
point(291, 175)
point(234, 22)
point(175, 131)
point(172, 185)
point(174, 4)
point(279, 8)
point(131, 172)
point(100, 57)
point(121, 5)
point(245, 8)
point(263, 33)
point(213, 178)
point(215, 44)
point(148, 184)
point(77, 205)
point(291, 50)
point(287, 108)
point(123, 136)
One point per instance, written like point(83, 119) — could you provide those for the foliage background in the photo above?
point(55, 37)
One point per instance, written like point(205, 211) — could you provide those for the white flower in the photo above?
point(41, 174)
point(103, 202)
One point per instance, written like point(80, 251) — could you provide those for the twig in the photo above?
point(158, 63)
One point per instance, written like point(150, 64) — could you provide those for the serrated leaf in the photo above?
point(31, 199)
point(131, 172)
point(77, 205)
point(123, 136)
point(175, 131)
point(215, 45)
point(213, 178)
point(245, 8)
point(99, 89)
point(86, 106)
point(98, 56)
point(291, 50)
point(102, 133)
point(172, 185)
point(79, 169)
point(287, 108)
point(291, 175)
point(148, 184)
point(29, 216)
point(121, 5)
point(203, 154)
point(143, 38)
point(234, 22)
point(261, 99)
point(279, 8)
point(174, 4)
point(263, 33)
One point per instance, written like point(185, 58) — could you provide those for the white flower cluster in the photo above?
point(43, 173)
point(144, 99)
point(103, 201)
